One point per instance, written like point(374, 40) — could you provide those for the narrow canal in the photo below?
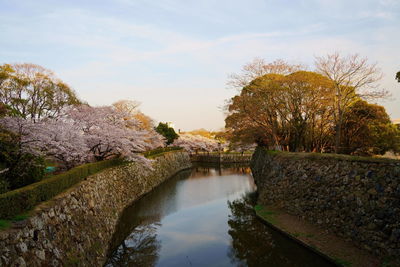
point(203, 217)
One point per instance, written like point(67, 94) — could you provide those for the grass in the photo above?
point(342, 262)
point(5, 224)
point(342, 157)
point(389, 262)
point(20, 217)
point(267, 215)
point(226, 153)
point(302, 235)
point(160, 154)
point(160, 151)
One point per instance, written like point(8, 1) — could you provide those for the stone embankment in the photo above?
point(221, 158)
point(356, 198)
point(76, 227)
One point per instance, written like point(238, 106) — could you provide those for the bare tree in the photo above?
point(259, 67)
point(128, 106)
point(353, 78)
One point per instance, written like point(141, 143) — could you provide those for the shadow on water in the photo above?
point(134, 242)
point(255, 244)
point(203, 217)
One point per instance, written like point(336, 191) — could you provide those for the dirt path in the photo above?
point(342, 251)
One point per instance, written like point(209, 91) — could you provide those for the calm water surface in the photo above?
point(203, 217)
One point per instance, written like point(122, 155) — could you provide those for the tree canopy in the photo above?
point(367, 130)
point(33, 91)
point(166, 131)
point(288, 111)
point(305, 111)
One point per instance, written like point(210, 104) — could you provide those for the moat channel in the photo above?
point(203, 217)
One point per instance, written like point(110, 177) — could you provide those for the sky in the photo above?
point(174, 56)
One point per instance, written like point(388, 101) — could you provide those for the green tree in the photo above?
point(33, 91)
point(398, 76)
point(367, 130)
point(19, 168)
point(287, 111)
point(166, 131)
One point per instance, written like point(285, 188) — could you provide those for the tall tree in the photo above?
point(260, 67)
point(289, 112)
point(367, 129)
point(353, 77)
point(33, 91)
point(166, 131)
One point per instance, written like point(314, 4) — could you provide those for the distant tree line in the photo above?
point(285, 107)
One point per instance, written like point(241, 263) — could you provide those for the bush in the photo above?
point(166, 131)
point(25, 198)
point(25, 170)
point(4, 185)
point(160, 150)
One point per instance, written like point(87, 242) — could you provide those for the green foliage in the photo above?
point(342, 262)
point(25, 170)
point(321, 156)
point(367, 130)
point(25, 198)
point(4, 224)
point(290, 111)
point(166, 131)
point(4, 185)
point(161, 150)
point(41, 94)
point(398, 76)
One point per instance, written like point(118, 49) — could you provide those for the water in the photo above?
point(203, 217)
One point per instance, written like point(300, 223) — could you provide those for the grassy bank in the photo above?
point(318, 156)
point(341, 251)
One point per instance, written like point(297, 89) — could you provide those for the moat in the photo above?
point(203, 217)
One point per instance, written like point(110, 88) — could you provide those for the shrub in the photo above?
point(25, 170)
point(25, 198)
point(4, 185)
point(160, 150)
point(166, 131)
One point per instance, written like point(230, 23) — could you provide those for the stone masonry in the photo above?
point(356, 198)
point(76, 227)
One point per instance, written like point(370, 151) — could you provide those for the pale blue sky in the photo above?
point(174, 55)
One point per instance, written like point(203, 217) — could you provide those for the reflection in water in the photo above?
point(202, 217)
point(254, 244)
point(140, 248)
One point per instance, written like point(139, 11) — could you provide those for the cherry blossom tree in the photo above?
point(83, 134)
point(109, 132)
point(57, 139)
point(193, 143)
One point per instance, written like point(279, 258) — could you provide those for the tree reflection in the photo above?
point(140, 248)
point(255, 244)
point(251, 245)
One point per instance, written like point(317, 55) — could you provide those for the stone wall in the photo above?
point(221, 158)
point(357, 198)
point(76, 227)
